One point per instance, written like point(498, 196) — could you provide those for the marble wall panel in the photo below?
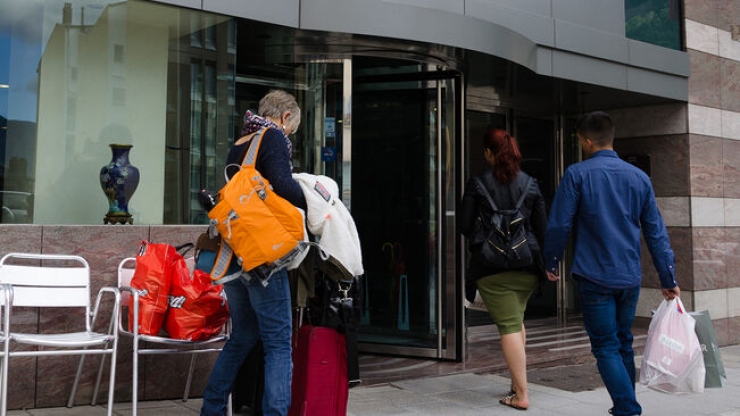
point(652, 120)
point(728, 48)
point(733, 331)
point(715, 301)
point(732, 259)
point(731, 168)
point(722, 331)
point(103, 246)
point(681, 243)
point(704, 11)
point(705, 80)
point(166, 375)
point(20, 238)
point(730, 84)
point(705, 120)
point(706, 166)
point(176, 234)
point(669, 161)
point(650, 298)
point(701, 37)
point(707, 212)
point(709, 258)
point(730, 124)
point(676, 211)
point(728, 13)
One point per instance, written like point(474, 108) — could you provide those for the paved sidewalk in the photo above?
point(474, 394)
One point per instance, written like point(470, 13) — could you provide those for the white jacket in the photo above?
point(329, 220)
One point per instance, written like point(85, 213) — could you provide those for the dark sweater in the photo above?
point(273, 162)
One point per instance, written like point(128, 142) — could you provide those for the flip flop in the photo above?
point(509, 401)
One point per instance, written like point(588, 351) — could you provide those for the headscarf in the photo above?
point(253, 122)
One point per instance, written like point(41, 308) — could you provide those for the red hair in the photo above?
point(506, 152)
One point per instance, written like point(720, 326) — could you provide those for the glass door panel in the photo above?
point(402, 148)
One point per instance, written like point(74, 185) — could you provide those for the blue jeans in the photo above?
point(257, 312)
point(608, 315)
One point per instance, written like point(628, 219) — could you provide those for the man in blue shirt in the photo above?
point(607, 202)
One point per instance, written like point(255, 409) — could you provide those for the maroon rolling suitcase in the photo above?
point(320, 384)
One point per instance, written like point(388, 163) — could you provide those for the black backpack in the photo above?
point(505, 245)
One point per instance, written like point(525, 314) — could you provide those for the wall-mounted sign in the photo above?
point(328, 153)
point(330, 126)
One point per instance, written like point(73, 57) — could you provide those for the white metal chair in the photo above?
point(55, 281)
point(172, 346)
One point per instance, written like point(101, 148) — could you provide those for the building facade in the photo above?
point(395, 95)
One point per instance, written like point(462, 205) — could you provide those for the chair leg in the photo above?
point(99, 379)
point(112, 382)
point(70, 401)
point(186, 394)
point(4, 385)
point(135, 381)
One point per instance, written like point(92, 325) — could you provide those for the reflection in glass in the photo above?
point(75, 77)
point(654, 21)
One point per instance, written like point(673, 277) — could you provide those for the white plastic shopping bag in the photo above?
point(673, 361)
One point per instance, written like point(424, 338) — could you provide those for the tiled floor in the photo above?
point(547, 345)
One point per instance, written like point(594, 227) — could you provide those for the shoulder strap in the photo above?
point(524, 193)
point(493, 204)
point(250, 158)
point(485, 193)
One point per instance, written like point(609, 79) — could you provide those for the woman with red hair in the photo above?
point(505, 291)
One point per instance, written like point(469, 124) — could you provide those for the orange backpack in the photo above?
point(254, 222)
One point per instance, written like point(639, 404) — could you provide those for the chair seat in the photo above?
point(173, 341)
point(69, 340)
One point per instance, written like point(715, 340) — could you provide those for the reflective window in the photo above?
point(77, 77)
point(654, 21)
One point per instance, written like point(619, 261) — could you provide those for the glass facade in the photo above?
point(654, 21)
point(75, 78)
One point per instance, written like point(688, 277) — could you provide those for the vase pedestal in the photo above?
point(119, 219)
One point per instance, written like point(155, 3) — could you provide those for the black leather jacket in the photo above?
point(505, 197)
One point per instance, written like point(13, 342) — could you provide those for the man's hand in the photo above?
point(669, 294)
point(552, 277)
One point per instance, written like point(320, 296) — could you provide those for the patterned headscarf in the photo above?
point(253, 122)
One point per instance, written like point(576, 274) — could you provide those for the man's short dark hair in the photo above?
point(598, 127)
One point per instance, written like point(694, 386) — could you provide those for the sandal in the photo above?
point(509, 401)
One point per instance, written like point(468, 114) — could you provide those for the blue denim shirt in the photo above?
point(607, 202)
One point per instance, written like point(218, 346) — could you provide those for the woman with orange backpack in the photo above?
point(261, 311)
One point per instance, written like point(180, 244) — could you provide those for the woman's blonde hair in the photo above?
point(275, 103)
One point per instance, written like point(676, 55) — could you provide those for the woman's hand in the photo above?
point(552, 277)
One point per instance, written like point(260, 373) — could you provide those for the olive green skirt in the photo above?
point(506, 295)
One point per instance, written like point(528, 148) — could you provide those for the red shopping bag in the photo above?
point(198, 308)
point(151, 279)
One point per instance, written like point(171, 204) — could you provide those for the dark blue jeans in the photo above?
point(257, 312)
point(608, 315)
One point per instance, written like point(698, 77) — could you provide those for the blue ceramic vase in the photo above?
point(119, 180)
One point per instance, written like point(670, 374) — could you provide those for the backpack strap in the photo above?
point(220, 271)
point(524, 193)
point(490, 200)
point(484, 190)
point(250, 158)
